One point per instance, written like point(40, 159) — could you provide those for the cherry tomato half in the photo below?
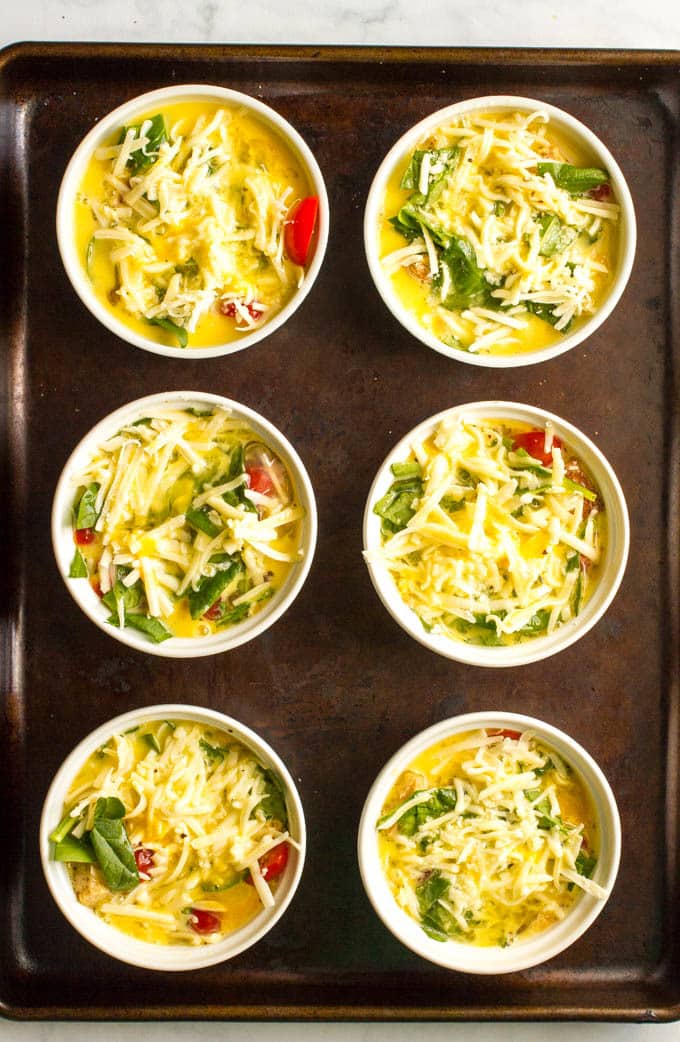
point(259, 480)
point(83, 536)
point(300, 228)
point(602, 191)
point(214, 611)
point(533, 442)
point(228, 309)
point(201, 921)
point(144, 860)
point(272, 864)
point(505, 732)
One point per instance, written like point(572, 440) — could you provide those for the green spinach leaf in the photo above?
point(114, 853)
point(577, 180)
point(467, 286)
point(436, 921)
point(200, 520)
point(555, 236)
point(153, 628)
point(171, 327)
point(440, 801)
point(142, 158)
point(109, 808)
point(78, 569)
point(86, 513)
point(214, 754)
point(211, 587)
point(273, 805)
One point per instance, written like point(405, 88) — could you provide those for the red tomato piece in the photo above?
point(97, 588)
point(83, 536)
point(533, 442)
point(299, 229)
point(201, 921)
point(505, 732)
point(214, 611)
point(144, 860)
point(228, 309)
point(259, 480)
point(272, 864)
point(602, 191)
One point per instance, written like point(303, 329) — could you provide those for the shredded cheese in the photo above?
point(197, 224)
point(175, 509)
point(199, 805)
point(491, 545)
point(533, 246)
point(496, 842)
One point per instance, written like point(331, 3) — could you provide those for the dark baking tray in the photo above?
point(335, 685)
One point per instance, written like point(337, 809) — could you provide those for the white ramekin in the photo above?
point(142, 953)
point(612, 568)
point(469, 958)
point(83, 593)
point(570, 129)
point(127, 113)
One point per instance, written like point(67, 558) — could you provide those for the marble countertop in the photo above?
point(579, 23)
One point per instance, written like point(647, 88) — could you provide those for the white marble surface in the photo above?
point(578, 23)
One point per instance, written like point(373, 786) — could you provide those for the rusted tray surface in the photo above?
point(335, 685)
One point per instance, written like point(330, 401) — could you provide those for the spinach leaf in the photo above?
point(75, 850)
point(406, 470)
point(442, 162)
point(189, 269)
point(556, 236)
point(440, 801)
point(451, 505)
point(153, 628)
point(273, 805)
point(547, 766)
point(467, 285)
point(436, 921)
point(547, 313)
point(409, 228)
point(228, 618)
point(142, 158)
point(536, 624)
point(200, 520)
point(78, 569)
point(415, 216)
point(585, 864)
point(86, 513)
point(109, 808)
point(546, 819)
point(236, 497)
point(396, 507)
point(577, 180)
point(214, 754)
point(482, 631)
point(211, 587)
point(131, 596)
point(114, 853)
point(151, 741)
point(171, 327)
